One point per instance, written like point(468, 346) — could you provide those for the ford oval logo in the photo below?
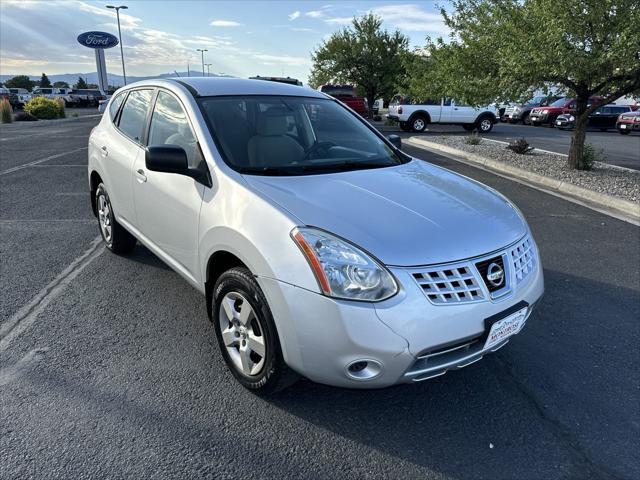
point(97, 40)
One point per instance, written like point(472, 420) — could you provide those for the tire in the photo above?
point(484, 124)
point(419, 123)
point(404, 126)
point(469, 127)
point(525, 119)
point(624, 132)
point(114, 235)
point(552, 122)
point(263, 370)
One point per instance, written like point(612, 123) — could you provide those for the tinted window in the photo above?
point(115, 105)
point(274, 135)
point(169, 126)
point(134, 113)
point(559, 103)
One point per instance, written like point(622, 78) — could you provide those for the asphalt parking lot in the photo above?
point(109, 368)
point(621, 150)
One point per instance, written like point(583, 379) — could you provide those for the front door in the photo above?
point(168, 204)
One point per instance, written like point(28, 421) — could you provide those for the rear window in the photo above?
point(338, 90)
point(134, 113)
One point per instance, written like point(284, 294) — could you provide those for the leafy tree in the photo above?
point(60, 84)
point(362, 54)
point(44, 81)
point(506, 49)
point(80, 84)
point(20, 81)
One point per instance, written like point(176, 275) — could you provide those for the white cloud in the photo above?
point(294, 15)
point(224, 23)
point(315, 14)
point(296, 29)
point(282, 60)
point(339, 20)
point(411, 17)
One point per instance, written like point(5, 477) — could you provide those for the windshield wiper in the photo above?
point(345, 165)
point(271, 171)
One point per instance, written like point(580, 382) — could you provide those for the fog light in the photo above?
point(364, 369)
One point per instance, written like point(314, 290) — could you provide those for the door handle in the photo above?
point(104, 152)
point(140, 176)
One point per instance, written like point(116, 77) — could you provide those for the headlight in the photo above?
point(544, 112)
point(571, 118)
point(637, 119)
point(342, 269)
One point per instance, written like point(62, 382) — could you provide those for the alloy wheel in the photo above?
point(242, 334)
point(485, 125)
point(104, 217)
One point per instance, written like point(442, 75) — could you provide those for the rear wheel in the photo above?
point(247, 334)
point(115, 237)
point(624, 132)
point(419, 123)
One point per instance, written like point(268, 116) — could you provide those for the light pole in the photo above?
point(202, 52)
point(208, 65)
point(117, 9)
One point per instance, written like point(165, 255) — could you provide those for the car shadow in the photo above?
point(144, 256)
point(527, 411)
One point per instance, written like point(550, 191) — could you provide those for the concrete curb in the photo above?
point(613, 206)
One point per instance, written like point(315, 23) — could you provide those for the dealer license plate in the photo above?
point(506, 327)
point(623, 126)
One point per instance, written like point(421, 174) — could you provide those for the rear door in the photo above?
point(122, 146)
point(167, 204)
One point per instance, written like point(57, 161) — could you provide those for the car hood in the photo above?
point(411, 214)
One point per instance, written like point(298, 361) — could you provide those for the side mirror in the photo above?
point(173, 159)
point(395, 140)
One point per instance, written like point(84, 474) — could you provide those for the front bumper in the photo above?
point(539, 117)
point(628, 126)
point(409, 337)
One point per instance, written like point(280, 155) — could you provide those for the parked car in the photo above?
point(603, 118)
point(547, 115)
point(5, 93)
point(87, 97)
point(519, 113)
point(287, 80)
point(275, 217)
point(414, 116)
point(54, 93)
point(22, 96)
point(347, 95)
point(628, 122)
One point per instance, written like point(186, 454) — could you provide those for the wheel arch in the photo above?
point(219, 262)
point(419, 113)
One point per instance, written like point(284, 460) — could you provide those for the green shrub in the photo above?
point(520, 146)
point(6, 112)
point(473, 139)
point(61, 112)
point(44, 108)
point(589, 156)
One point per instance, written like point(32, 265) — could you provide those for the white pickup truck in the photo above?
point(55, 93)
point(416, 116)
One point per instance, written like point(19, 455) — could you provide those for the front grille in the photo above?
point(468, 281)
point(522, 258)
point(449, 285)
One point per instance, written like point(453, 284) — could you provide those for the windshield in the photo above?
point(560, 102)
point(281, 135)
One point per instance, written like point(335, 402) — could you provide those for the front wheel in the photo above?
point(485, 125)
point(247, 334)
point(624, 132)
point(115, 237)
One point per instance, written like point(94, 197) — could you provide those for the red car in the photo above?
point(548, 115)
point(347, 95)
point(628, 122)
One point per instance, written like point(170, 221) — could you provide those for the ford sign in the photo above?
point(97, 40)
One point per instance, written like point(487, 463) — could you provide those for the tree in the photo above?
point(60, 84)
point(44, 81)
point(362, 54)
point(506, 49)
point(19, 81)
point(80, 84)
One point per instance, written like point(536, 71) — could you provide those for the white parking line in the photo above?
point(27, 315)
point(42, 160)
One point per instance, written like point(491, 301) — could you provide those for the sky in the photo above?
point(243, 38)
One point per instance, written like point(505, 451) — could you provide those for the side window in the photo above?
point(169, 126)
point(115, 105)
point(134, 113)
